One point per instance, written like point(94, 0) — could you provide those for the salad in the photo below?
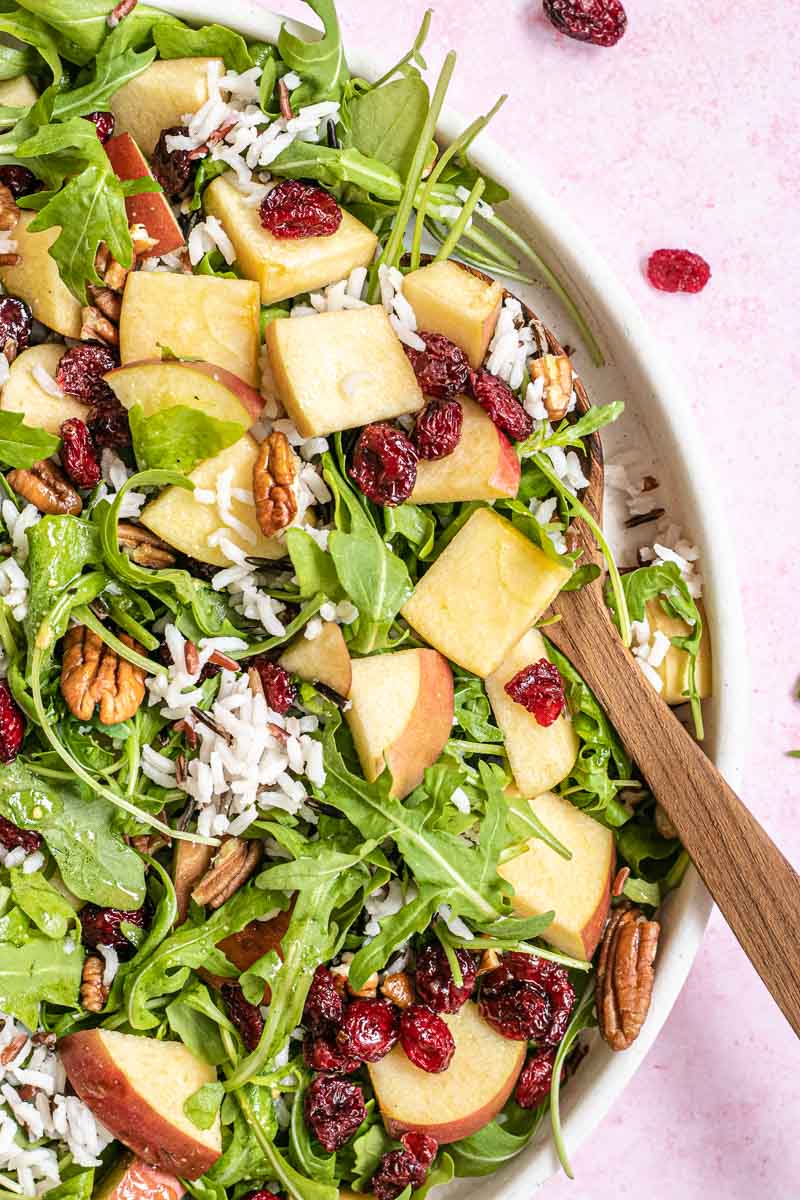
point(317, 858)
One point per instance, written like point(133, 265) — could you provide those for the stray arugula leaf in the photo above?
point(22, 445)
point(178, 438)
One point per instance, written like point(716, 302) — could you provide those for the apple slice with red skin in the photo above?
point(132, 1179)
point(156, 384)
point(150, 209)
point(483, 466)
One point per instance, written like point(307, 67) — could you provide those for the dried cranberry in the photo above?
point(427, 1041)
point(104, 124)
point(245, 1016)
point(369, 1029)
point(499, 402)
point(81, 370)
point(19, 180)
point(12, 724)
point(434, 979)
point(261, 1194)
point(11, 836)
point(173, 169)
point(540, 689)
point(322, 1053)
point(678, 271)
point(279, 691)
point(101, 927)
point(421, 1145)
point(77, 454)
point(334, 1109)
point(528, 997)
point(442, 368)
point(384, 464)
point(399, 1168)
point(323, 1008)
point(438, 429)
point(108, 424)
point(295, 209)
point(16, 322)
point(601, 22)
point(533, 1085)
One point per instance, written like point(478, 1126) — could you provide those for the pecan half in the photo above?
point(398, 988)
point(94, 674)
point(45, 486)
point(232, 866)
point(94, 992)
point(112, 273)
point(624, 983)
point(97, 328)
point(190, 863)
point(106, 301)
point(143, 546)
point(9, 209)
point(556, 370)
point(274, 473)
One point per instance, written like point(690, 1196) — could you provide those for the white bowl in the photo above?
point(656, 416)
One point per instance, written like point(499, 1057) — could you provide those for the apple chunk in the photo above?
point(323, 659)
point(23, 393)
point(540, 756)
point(194, 316)
point(401, 714)
point(36, 280)
point(337, 370)
point(131, 1177)
point(136, 1086)
point(484, 590)
point(447, 298)
point(285, 267)
point(462, 1099)
point(150, 209)
point(160, 96)
point(18, 93)
point(577, 890)
point(674, 670)
point(483, 466)
point(156, 385)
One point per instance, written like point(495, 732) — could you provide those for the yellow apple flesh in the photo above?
point(577, 890)
point(338, 370)
point(447, 298)
point(132, 1179)
point(156, 385)
point(674, 670)
point(323, 659)
point(485, 589)
point(23, 393)
point(459, 1101)
point(160, 97)
point(18, 93)
point(285, 267)
point(400, 714)
point(483, 466)
point(136, 1087)
point(150, 209)
point(194, 316)
point(36, 279)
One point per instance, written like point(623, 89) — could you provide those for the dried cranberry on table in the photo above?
point(102, 927)
point(601, 22)
point(279, 691)
point(437, 431)
point(426, 1040)
point(399, 1168)
point(19, 180)
point(81, 370)
point(539, 688)
point(369, 1029)
point(245, 1016)
point(334, 1108)
point(384, 464)
point(11, 836)
point(528, 998)
point(533, 1085)
point(12, 724)
point(78, 457)
point(434, 979)
point(295, 209)
point(173, 169)
point(16, 323)
point(442, 368)
point(500, 404)
point(104, 124)
point(678, 271)
point(323, 1009)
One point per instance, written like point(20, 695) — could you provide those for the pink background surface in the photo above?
point(683, 135)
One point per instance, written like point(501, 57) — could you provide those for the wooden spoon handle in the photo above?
point(755, 888)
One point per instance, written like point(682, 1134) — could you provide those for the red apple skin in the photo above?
point(454, 1131)
point(593, 929)
point(150, 209)
point(427, 733)
point(108, 1093)
point(252, 400)
point(133, 1179)
point(507, 474)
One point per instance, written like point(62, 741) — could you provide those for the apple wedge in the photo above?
point(674, 670)
point(36, 280)
point(483, 466)
point(157, 384)
point(484, 590)
point(194, 316)
point(132, 1179)
point(338, 370)
point(18, 93)
point(285, 267)
point(462, 1099)
point(323, 659)
point(577, 890)
point(160, 97)
point(400, 714)
point(448, 298)
point(136, 1086)
point(540, 756)
point(150, 209)
point(23, 393)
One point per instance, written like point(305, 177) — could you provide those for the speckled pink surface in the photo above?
point(684, 135)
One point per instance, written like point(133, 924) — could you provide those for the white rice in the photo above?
point(46, 382)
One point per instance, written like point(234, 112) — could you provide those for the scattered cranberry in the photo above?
point(173, 169)
point(499, 402)
point(323, 1008)
point(369, 1029)
point(12, 724)
point(11, 836)
point(399, 1168)
point(601, 22)
point(322, 1053)
point(334, 1109)
point(279, 691)
point(434, 979)
point(77, 454)
point(533, 1085)
point(527, 997)
point(442, 368)
point(540, 689)
point(295, 209)
point(384, 464)
point(677, 271)
point(103, 123)
point(427, 1041)
point(101, 927)
point(81, 370)
point(438, 429)
point(16, 322)
point(19, 180)
point(245, 1016)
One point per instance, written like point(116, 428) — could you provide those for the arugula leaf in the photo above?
point(312, 565)
point(80, 26)
point(39, 900)
point(414, 917)
point(386, 122)
point(203, 1105)
point(112, 70)
point(640, 842)
point(43, 969)
point(582, 1018)
point(59, 548)
point(243, 1157)
point(197, 1021)
point(331, 167)
point(178, 438)
point(321, 64)
point(210, 41)
point(22, 445)
point(490, 1148)
point(301, 1151)
point(28, 28)
point(16, 61)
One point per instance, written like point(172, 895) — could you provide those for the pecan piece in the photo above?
point(106, 301)
point(94, 992)
point(624, 982)
point(368, 989)
point(274, 473)
point(232, 866)
point(112, 273)
point(45, 486)
point(143, 546)
point(556, 370)
point(97, 328)
point(94, 674)
point(398, 988)
point(9, 209)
